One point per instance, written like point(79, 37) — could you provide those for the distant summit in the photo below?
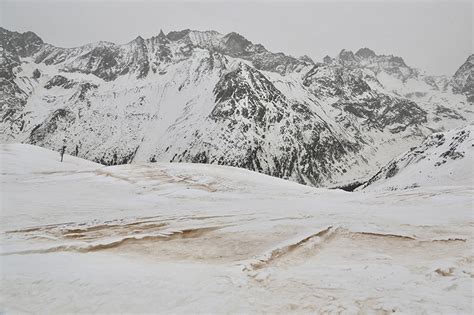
point(346, 57)
point(365, 53)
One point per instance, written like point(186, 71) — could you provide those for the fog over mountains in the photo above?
point(206, 97)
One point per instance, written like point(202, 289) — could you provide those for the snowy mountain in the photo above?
point(192, 96)
point(443, 159)
point(440, 96)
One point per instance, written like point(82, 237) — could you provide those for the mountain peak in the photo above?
point(365, 53)
point(346, 56)
point(236, 37)
point(463, 79)
point(27, 36)
point(307, 59)
point(236, 43)
point(177, 35)
point(398, 60)
point(24, 43)
point(327, 59)
point(470, 59)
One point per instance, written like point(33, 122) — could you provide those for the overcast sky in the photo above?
point(432, 35)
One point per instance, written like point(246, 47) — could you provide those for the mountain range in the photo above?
point(206, 97)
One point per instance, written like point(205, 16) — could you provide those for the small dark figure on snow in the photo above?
point(63, 149)
point(77, 150)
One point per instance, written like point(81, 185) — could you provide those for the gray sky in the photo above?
point(435, 36)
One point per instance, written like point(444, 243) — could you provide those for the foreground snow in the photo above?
point(186, 238)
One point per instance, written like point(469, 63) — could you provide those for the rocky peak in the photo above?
point(346, 56)
point(365, 53)
point(470, 60)
point(327, 60)
point(463, 79)
point(177, 35)
point(368, 59)
point(258, 48)
point(306, 59)
point(139, 41)
point(235, 43)
point(161, 34)
point(32, 37)
point(468, 66)
point(161, 38)
point(398, 61)
point(25, 44)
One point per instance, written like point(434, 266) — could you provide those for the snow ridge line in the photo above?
point(324, 236)
point(282, 251)
point(399, 236)
point(91, 247)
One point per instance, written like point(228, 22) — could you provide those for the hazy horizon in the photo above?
point(435, 36)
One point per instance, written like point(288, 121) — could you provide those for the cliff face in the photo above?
point(463, 79)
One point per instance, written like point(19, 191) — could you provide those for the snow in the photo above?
point(187, 238)
point(443, 159)
point(18, 158)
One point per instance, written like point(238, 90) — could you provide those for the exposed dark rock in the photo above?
point(327, 60)
point(25, 44)
point(448, 112)
point(383, 111)
point(36, 74)
point(306, 59)
point(365, 53)
point(346, 57)
point(60, 119)
point(177, 35)
point(463, 79)
point(349, 187)
point(236, 44)
point(59, 80)
point(398, 61)
point(102, 61)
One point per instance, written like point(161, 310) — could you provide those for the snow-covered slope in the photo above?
point(443, 159)
point(192, 96)
point(77, 237)
point(20, 158)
